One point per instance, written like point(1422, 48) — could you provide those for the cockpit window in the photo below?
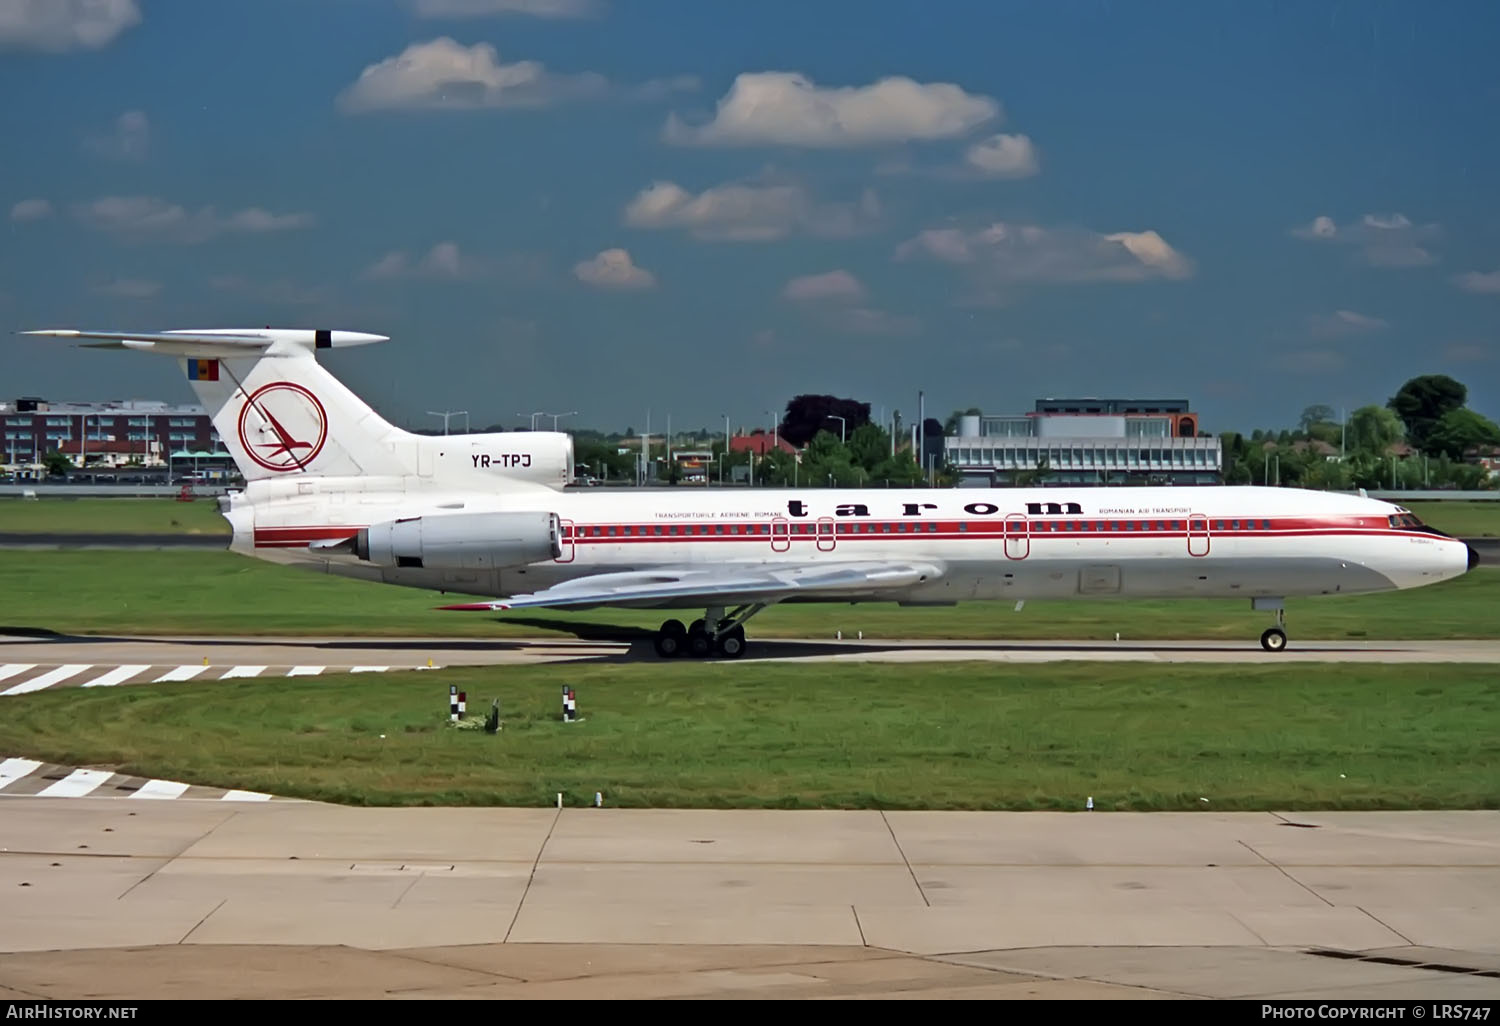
point(1407, 520)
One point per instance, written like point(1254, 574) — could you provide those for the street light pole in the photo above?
point(555, 416)
point(452, 413)
point(842, 425)
point(533, 417)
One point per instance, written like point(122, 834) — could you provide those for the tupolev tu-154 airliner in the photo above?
point(332, 486)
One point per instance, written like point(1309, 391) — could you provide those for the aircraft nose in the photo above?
point(1473, 557)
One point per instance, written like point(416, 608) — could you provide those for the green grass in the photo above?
point(1460, 518)
point(201, 593)
point(110, 516)
point(745, 735)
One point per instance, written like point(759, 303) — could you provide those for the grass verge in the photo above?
point(201, 593)
point(111, 516)
point(950, 736)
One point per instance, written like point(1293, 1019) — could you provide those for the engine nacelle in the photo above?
point(462, 541)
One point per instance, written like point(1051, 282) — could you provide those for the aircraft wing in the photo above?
point(721, 585)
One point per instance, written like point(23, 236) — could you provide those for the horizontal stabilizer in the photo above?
point(216, 341)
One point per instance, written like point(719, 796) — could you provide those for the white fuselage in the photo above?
point(1013, 543)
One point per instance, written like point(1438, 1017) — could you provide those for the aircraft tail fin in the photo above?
point(277, 411)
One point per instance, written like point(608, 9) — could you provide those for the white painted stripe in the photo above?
point(12, 770)
point(242, 671)
point(305, 671)
point(245, 796)
point(11, 669)
point(181, 673)
point(368, 669)
point(47, 679)
point(116, 676)
point(75, 784)
point(160, 789)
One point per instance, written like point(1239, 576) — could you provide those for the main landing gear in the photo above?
point(1274, 638)
point(715, 634)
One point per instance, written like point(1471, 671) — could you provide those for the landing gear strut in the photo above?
point(1274, 638)
point(715, 634)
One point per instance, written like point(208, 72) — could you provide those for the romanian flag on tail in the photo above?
point(203, 370)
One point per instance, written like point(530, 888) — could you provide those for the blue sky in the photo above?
point(699, 208)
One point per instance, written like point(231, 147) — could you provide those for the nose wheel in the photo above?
point(1274, 638)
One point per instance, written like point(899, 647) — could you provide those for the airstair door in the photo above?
point(781, 534)
point(1198, 535)
point(1017, 537)
point(826, 540)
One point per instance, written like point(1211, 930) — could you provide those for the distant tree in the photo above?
point(869, 446)
point(806, 415)
point(57, 463)
point(1423, 401)
point(1313, 416)
point(1035, 476)
point(1458, 431)
point(1373, 429)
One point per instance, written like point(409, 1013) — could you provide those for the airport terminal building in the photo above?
point(1087, 441)
point(107, 435)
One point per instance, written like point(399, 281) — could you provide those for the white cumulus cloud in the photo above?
point(839, 285)
point(445, 75)
point(488, 8)
point(613, 269)
point(57, 26)
point(443, 260)
point(1344, 322)
point(148, 217)
point(127, 139)
point(1473, 281)
point(1383, 240)
point(787, 108)
point(31, 210)
point(1004, 156)
point(1009, 254)
point(747, 213)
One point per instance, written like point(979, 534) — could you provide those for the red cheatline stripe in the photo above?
point(1040, 530)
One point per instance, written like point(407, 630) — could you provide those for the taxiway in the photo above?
point(123, 898)
point(29, 663)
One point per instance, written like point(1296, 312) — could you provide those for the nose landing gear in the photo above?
point(1274, 638)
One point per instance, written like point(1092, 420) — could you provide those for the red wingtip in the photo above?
point(473, 606)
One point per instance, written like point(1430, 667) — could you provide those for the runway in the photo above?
point(118, 898)
point(29, 663)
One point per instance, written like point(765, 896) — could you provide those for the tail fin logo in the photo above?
point(283, 426)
